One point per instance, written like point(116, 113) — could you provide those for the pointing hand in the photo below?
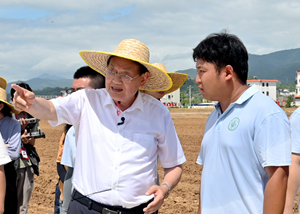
point(23, 99)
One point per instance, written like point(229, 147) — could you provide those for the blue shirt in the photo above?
point(295, 130)
point(69, 152)
point(251, 134)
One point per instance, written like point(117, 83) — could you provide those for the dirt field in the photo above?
point(189, 124)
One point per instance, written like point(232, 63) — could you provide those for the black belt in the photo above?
point(105, 209)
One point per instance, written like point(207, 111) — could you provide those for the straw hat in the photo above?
point(133, 50)
point(3, 83)
point(3, 96)
point(177, 78)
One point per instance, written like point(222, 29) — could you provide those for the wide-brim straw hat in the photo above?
point(3, 96)
point(133, 50)
point(177, 78)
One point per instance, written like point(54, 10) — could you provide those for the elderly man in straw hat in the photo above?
point(119, 133)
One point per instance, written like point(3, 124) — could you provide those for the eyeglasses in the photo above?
point(123, 77)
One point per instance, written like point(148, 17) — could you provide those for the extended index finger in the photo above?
point(21, 91)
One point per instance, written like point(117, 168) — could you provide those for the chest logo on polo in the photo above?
point(233, 124)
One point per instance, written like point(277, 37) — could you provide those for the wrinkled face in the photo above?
point(125, 92)
point(156, 94)
point(209, 81)
point(81, 83)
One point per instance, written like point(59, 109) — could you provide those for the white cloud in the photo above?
point(171, 29)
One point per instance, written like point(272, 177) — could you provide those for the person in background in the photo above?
point(84, 77)
point(10, 130)
point(28, 163)
point(111, 133)
point(246, 148)
point(177, 78)
point(61, 171)
point(294, 169)
point(4, 159)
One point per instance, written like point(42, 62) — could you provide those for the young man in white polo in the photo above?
point(119, 133)
point(246, 148)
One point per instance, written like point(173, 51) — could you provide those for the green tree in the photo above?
point(184, 100)
point(289, 101)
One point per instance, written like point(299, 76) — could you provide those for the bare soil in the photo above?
point(184, 198)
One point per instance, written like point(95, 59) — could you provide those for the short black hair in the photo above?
point(223, 49)
point(5, 110)
point(143, 69)
point(22, 85)
point(97, 79)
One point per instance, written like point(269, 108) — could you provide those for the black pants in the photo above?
point(11, 199)
point(76, 207)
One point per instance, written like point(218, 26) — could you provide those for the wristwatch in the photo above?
point(168, 188)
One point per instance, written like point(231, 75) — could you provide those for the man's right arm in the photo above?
point(25, 100)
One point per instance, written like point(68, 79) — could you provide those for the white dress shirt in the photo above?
point(118, 158)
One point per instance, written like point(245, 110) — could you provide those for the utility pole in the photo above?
point(190, 95)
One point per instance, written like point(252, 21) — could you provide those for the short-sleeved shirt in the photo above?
point(251, 134)
point(4, 157)
point(118, 158)
point(69, 153)
point(295, 130)
point(11, 133)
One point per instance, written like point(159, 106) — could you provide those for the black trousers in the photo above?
point(11, 199)
point(76, 207)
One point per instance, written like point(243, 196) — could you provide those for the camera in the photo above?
point(31, 120)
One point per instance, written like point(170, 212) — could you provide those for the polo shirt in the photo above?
point(118, 158)
point(69, 152)
point(295, 130)
point(251, 134)
point(11, 133)
point(4, 158)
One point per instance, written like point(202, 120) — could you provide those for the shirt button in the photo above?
point(116, 167)
point(118, 149)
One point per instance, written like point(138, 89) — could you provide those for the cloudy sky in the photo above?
point(45, 36)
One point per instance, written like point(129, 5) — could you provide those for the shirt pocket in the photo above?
point(144, 146)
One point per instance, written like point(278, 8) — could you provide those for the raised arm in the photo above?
point(25, 100)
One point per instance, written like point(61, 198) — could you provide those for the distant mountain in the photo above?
point(49, 76)
point(40, 83)
point(280, 65)
point(191, 72)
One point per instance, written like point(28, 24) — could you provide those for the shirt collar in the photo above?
point(138, 102)
point(244, 97)
point(247, 94)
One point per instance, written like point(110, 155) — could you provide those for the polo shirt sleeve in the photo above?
point(68, 109)
point(169, 148)
point(295, 131)
point(272, 141)
point(66, 158)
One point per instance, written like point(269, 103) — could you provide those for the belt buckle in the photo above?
point(108, 211)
